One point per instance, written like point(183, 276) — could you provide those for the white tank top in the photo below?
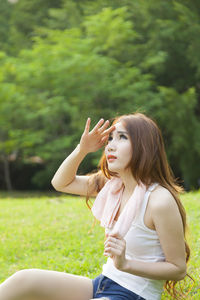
point(142, 244)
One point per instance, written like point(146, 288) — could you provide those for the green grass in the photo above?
point(52, 232)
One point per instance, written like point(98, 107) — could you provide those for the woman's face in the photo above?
point(118, 151)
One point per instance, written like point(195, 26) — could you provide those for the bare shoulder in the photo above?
point(164, 212)
point(161, 199)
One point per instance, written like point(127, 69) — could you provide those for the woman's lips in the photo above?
point(111, 158)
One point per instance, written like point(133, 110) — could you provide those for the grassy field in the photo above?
point(53, 232)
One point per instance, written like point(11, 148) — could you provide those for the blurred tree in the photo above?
point(102, 59)
point(18, 131)
point(5, 13)
point(65, 74)
point(19, 20)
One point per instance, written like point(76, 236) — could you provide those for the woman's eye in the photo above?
point(123, 136)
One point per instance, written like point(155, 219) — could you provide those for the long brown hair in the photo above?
point(149, 164)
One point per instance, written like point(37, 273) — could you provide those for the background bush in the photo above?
point(62, 62)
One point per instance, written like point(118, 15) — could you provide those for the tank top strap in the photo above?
point(145, 201)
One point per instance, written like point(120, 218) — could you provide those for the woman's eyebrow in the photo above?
point(118, 132)
point(122, 132)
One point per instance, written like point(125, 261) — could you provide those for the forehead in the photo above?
point(119, 127)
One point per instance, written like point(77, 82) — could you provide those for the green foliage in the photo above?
point(99, 59)
point(181, 132)
point(4, 28)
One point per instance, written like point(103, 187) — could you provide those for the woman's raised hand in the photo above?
point(93, 140)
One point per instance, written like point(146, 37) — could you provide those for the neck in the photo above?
point(128, 181)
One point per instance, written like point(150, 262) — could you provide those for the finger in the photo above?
point(111, 240)
point(116, 235)
point(98, 125)
point(109, 130)
point(87, 126)
point(111, 249)
point(105, 125)
point(111, 252)
point(120, 247)
point(112, 245)
point(108, 254)
point(120, 244)
point(104, 140)
point(117, 243)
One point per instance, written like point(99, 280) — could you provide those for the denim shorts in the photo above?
point(104, 287)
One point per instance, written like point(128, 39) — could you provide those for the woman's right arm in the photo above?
point(66, 179)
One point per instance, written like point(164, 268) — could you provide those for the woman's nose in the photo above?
point(111, 146)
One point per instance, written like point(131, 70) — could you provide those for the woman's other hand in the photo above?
point(115, 247)
point(93, 140)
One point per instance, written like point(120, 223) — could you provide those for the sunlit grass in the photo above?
point(53, 232)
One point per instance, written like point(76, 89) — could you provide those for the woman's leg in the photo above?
point(34, 284)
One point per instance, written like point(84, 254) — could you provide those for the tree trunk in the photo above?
point(7, 173)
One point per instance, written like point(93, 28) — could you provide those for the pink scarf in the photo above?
point(108, 202)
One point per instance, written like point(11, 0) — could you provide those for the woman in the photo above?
point(137, 203)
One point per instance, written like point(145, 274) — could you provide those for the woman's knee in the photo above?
point(23, 280)
point(22, 276)
point(19, 286)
